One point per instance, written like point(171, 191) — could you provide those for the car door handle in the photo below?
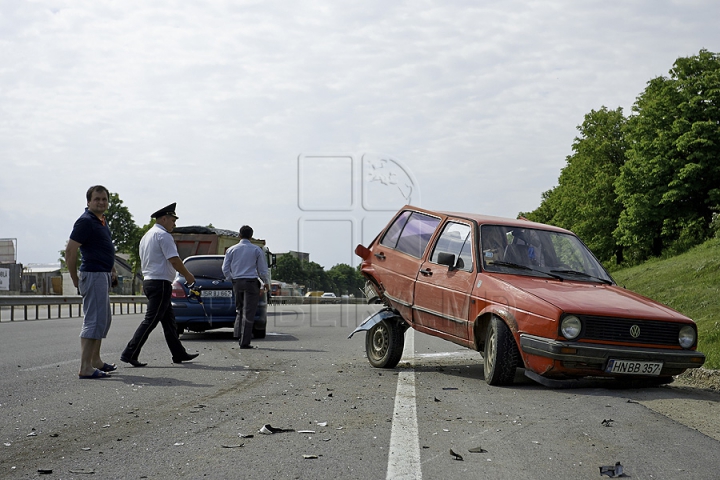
point(426, 272)
point(380, 255)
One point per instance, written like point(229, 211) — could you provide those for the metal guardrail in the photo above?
point(277, 300)
point(12, 302)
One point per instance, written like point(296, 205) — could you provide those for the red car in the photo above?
point(524, 294)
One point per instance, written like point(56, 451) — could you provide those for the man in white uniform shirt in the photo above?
point(243, 264)
point(159, 259)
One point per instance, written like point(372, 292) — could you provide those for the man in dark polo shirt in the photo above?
point(159, 259)
point(91, 235)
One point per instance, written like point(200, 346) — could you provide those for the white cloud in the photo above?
point(210, 103)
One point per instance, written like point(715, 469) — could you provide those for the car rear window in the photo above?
point(410, 233)
point(205, 267)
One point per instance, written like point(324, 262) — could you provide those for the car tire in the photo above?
point(500, 354)
point(258, 333)
point(384, 344)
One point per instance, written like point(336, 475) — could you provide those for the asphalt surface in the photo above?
point(348, 420)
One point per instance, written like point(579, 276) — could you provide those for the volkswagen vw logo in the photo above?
point(635, 331)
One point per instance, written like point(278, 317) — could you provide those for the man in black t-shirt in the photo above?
point(91, 235)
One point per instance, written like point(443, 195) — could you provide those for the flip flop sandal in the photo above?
point(108, 367)
point(96, 374)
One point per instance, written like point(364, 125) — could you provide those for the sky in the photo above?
point(311, 121)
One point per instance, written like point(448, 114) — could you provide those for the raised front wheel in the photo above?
point(384, 344)
point(500, 355)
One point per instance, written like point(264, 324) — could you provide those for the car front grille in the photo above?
point(630, 330)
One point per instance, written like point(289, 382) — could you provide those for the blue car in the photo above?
point(217, 309)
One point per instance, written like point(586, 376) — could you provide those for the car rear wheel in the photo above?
point(258, 333)
point(500, 355)
point(384, 344)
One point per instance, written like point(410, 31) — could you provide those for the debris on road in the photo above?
point(233, 446)
point(477, 450)
point(267, 429)
point(613, 471)
point(308, 457)
point(607, 423)
point(82, 471)
point(44, 471)
point(246, 435)
point(456, 456)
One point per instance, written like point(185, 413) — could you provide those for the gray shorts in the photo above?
point(95, 290)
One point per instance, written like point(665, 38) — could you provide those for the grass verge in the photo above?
point(689, 283)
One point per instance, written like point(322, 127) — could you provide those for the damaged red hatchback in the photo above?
point(524, 294)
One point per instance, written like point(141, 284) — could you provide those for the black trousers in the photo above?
point(247, 296)
point(159, 310)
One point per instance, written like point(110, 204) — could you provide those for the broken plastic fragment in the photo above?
point(44, 471)
point(607, 422)
point(306, 431)
point(233, 446)
point(309, 456)
point(612, 471)
point(84, 471)
point(456, 456)
point(243, 435)
point(267, 429)
point(321, 424)
point(477, 450)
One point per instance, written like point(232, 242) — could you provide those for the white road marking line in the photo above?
point(404, 456)
point(53, 365)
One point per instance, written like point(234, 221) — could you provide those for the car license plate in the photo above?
point(216, 293)
point(632, 367)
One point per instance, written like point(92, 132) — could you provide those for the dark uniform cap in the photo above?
point(169, 210)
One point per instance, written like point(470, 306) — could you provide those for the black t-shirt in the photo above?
point(98, 251)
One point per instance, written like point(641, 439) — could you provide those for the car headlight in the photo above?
point(570, 327)
point(687, 336)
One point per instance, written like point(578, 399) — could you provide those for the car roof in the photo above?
point(489, 219)
point(204, 256)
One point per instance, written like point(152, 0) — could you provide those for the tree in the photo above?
point(288, 268)
point(584, 200)
point(122, 226)
point(670, 184)
point(346, 280)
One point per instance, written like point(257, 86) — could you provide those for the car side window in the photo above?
point(416, 234)
point(456, 239)
point(390, 239)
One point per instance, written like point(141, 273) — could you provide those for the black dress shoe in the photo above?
point(188, 356)
point(132, 362)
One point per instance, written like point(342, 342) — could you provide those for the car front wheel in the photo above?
point(500, 355)
point(384, 344)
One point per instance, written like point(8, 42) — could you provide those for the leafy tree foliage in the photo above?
point(670, 184)
point(584, 200)
point(122, 226)
point(346, 280)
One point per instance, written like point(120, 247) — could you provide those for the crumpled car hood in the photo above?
point(593, 298)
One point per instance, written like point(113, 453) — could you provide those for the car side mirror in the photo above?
point(447, 259)
point(362, 252)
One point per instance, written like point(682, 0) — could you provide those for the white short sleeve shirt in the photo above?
point(156, 248)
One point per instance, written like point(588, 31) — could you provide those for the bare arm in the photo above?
point(71, 256)
point(180, 267)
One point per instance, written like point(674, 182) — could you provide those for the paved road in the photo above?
point(184, 421)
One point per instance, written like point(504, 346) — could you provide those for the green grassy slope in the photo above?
point(689, 283)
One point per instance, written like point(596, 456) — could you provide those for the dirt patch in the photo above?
point(693, 400)
point(699, 378)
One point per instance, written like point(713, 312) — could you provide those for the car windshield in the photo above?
point(207, 267)
point(536, 252)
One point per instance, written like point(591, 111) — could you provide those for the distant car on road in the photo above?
point(524, 294)
point(217, 309)
point(328, 295)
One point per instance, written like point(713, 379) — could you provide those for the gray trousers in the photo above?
point(247, 297)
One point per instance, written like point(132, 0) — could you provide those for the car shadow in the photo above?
point(224, 335)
